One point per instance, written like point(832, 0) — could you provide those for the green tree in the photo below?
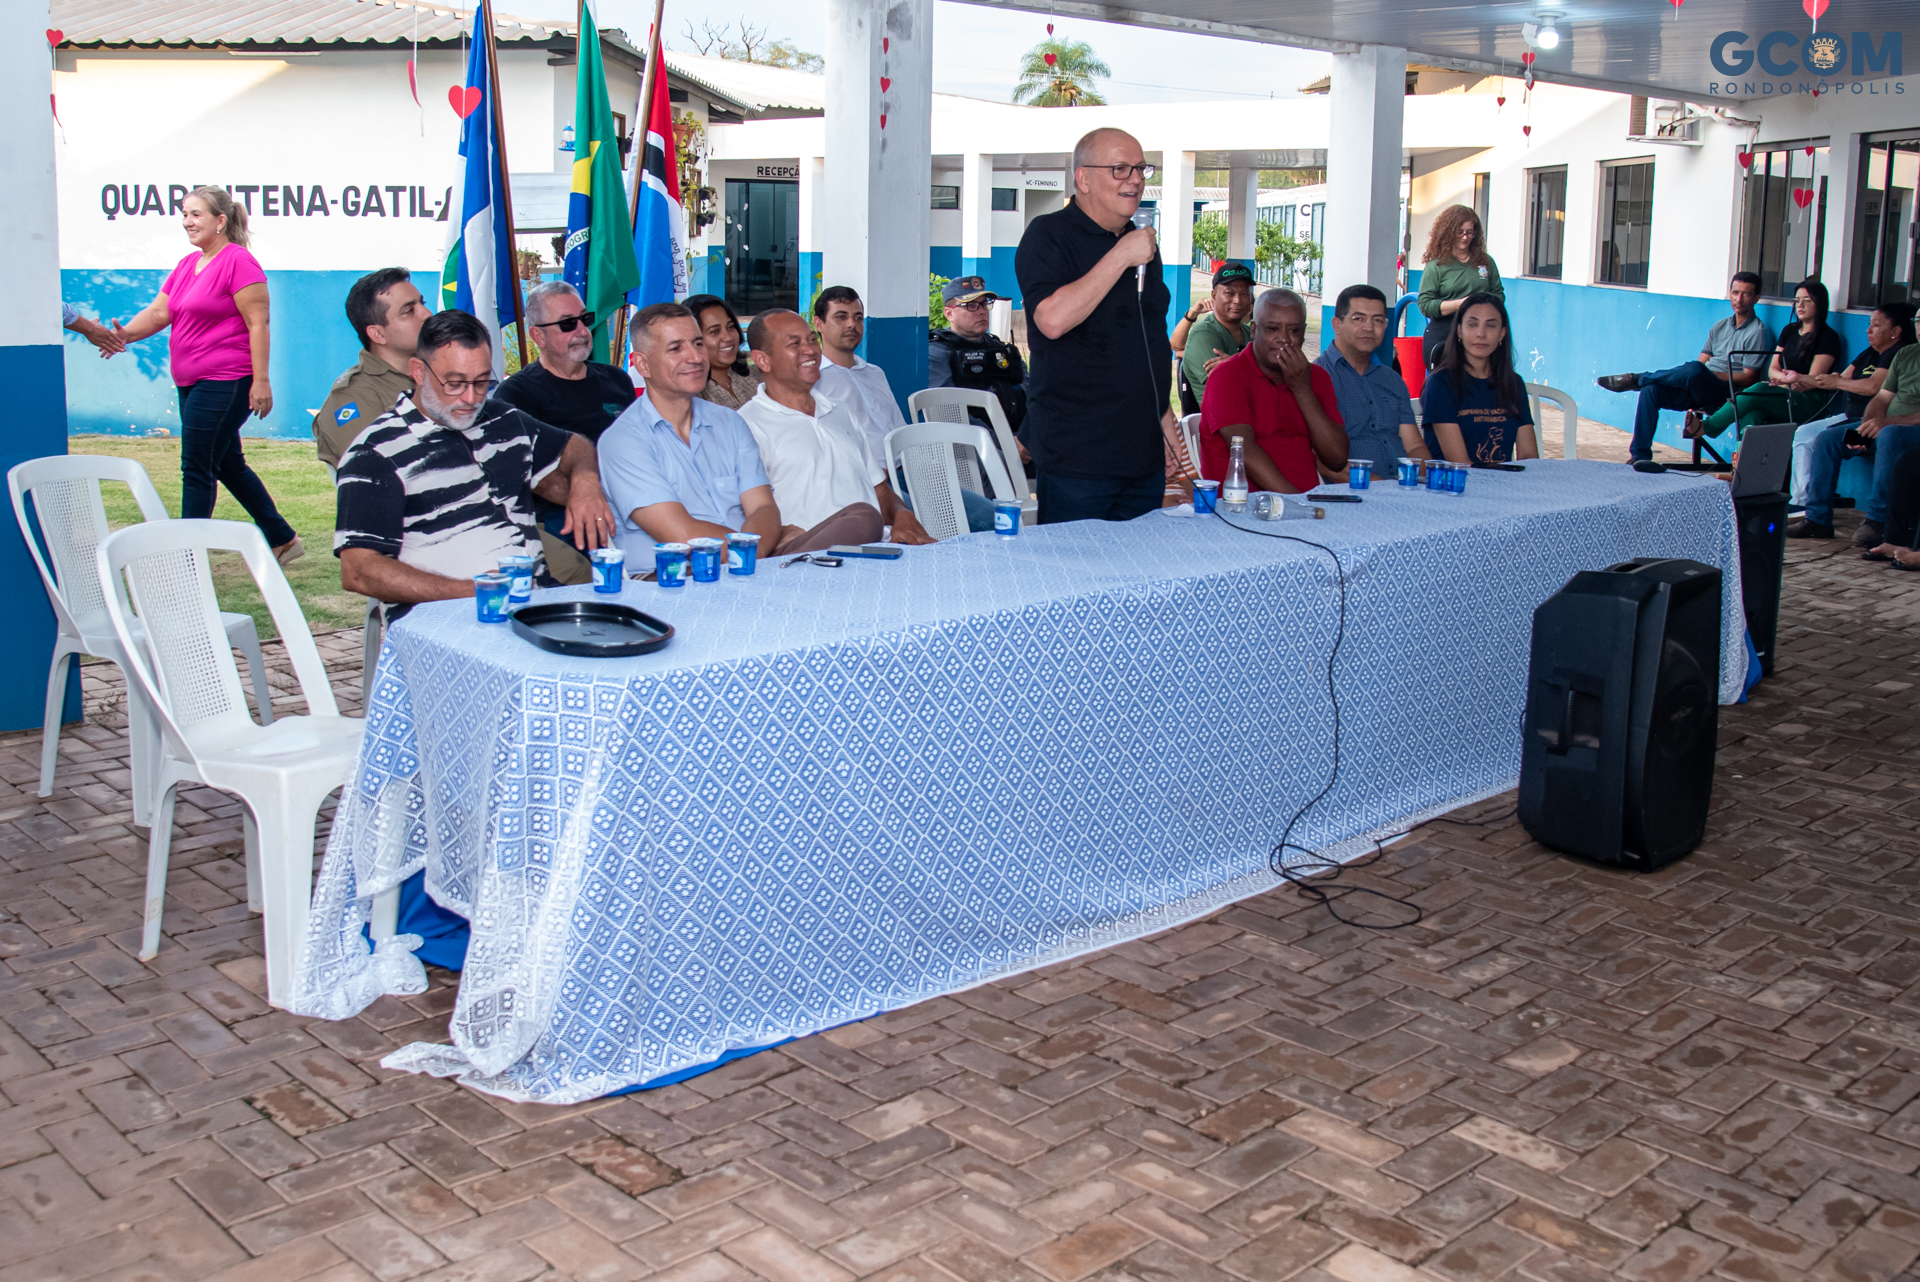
point(1067, 82)
point(1209, 239)
point(1274, 248)
point(936, 310)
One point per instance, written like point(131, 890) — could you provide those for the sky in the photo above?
point(978, 48)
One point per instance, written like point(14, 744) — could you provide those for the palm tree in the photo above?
point(1060, 73)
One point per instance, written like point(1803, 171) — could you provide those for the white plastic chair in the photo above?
point(951, 405)
point(371, 628)
point(1190, 437)
point(930, 456)
point(281, 772)
point(72, 521)
point(1570, 416)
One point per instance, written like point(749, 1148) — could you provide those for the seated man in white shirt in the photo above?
point(840, 318)
point(815, 453)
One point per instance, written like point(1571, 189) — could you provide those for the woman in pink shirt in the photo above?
point(216, 303)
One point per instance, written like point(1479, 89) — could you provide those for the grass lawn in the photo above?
point(301, 490)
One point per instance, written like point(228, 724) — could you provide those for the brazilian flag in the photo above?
point(599, 247)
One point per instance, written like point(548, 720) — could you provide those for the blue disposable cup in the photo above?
point(1206, 497)
point(1006, 519)
point(1457, 477)
point(670, 564)
point(519, 571)
point(490, 596)
point(1410, 473)
point(1438, 482)
point(704, 556)
point(609, 569)
point(1359, 473)
point(743, 553)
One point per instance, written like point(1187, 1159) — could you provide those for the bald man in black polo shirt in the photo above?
point(1099, 424)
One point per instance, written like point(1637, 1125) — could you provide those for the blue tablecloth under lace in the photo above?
point(839, 792)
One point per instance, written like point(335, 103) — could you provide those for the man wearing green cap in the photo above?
point(1216, 329)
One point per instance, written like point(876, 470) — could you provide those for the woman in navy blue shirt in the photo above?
point(1474, 407)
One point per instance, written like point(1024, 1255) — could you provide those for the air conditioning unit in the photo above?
point(1674, 124)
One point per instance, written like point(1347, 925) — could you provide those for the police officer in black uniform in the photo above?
point(966, 355)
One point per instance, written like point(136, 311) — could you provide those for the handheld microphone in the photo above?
point(1143, 217)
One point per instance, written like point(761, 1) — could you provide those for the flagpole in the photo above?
point(506, 189)
point(656, 53)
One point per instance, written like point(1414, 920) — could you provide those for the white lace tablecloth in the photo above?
point(839, 792)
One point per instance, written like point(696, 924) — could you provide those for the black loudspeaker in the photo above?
point(1762, 529)
point(1623, 707)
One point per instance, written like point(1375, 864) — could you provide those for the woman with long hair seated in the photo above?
point(1474, 406)
point(732, 379)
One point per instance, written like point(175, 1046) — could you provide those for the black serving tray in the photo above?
point(591, 629)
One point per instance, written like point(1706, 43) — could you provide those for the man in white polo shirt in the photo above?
point(840, 319)
point(813, 448)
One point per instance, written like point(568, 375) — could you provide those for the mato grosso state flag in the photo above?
point(478, 275)
point(659, 220)
point(599, 249)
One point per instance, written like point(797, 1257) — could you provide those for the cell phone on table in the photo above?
point(868, 551)
point(1331, 498)
point(1502, 467)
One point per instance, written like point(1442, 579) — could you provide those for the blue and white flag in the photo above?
point(478, 275)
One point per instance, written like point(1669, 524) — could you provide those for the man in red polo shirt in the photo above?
point(1279, 402)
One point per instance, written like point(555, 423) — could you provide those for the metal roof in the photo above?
point(769, 91)
point(1630, 46)
point(303, 25)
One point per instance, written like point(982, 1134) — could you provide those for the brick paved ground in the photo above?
point(1563, 1074)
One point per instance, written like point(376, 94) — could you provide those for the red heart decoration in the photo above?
point(1526, 59)
point(1501, 101)
point(1527, 130)
point(463, 101)
point(1676, 3)
point(886, 42)
point(1050, 59)
point(1049, 28)
point(1803, 196)
point(883, 120)
point(54, 37)
point(1815, 8)
point(1745, 158)
point(1809, 149)
point(885, 84)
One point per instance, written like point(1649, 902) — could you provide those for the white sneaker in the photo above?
point(287, 553)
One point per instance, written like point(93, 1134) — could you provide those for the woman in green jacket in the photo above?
point(1456, 265)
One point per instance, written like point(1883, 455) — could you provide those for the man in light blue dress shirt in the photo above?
point(1373, 399)
point(676, 467)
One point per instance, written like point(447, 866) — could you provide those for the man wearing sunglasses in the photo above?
point(564, 387)
point(1099, 423)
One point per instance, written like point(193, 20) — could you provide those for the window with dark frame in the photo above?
point(945, 197)
point(1626, 223)
point(1886, 235)
point(1482, 199)
point(1546, 222)
point(1783, 214)
point(1006, 199)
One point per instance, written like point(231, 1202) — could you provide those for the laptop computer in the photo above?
point(1766, 452)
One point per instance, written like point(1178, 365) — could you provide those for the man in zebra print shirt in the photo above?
point(443, 485)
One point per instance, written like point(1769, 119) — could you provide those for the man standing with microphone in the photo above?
point(1099, 424)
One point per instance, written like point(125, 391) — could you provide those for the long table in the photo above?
point(840, 792)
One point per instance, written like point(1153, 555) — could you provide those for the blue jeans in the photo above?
point(1684, 387)
point(211, 412)
point(1097, 498)
point(979, 507)
point(1830, 451)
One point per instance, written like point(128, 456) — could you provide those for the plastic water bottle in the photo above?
point(1233, 490)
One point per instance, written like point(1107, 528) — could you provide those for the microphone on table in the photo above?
point(1143, 218)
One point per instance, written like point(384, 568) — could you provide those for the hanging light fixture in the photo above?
point(1544, 33)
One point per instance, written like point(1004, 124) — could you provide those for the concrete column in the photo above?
point(880, 151)
point(1243, 204)
point(813, 194)
point(976, 217)
point(1366, 109)
point(1176, 229)
point(32, 358)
